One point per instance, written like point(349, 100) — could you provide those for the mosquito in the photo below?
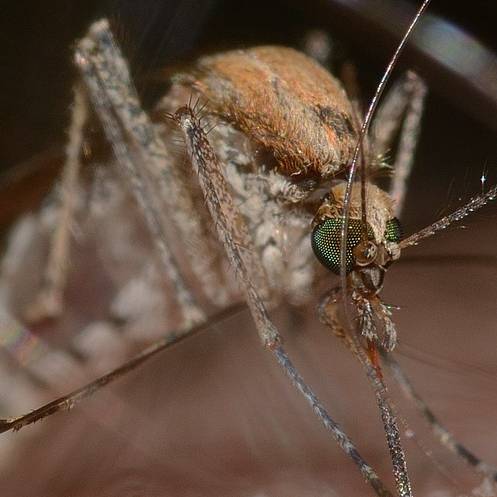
point(276, 151)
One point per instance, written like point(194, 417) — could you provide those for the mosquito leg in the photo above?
point(444, 436)
point(96, 76)
point(390, 113)
point(402, 108)
point(48, 301)
point(229, 224)
point(238, 244)
point(328, 312)
point(411, 127)
point(166, 186)
point(68, 401)
point(388, 118)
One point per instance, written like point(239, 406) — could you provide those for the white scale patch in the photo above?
point(281, 240)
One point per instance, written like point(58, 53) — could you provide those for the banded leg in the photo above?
point(444, 436)
point(402, 108)
point(165, 186)
point(238, 244)
point(67, 402)
point(328, 312)
point(97, 76)
point(48, 302)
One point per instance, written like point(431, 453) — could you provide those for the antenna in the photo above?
point(357, 151)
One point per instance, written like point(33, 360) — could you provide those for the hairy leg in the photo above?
point(402, 108)
point(238, 244)
point(444, 436)
point(68, 401)
point(48, 303)
point(328, 311)
point(108, 96)
point(165, 186)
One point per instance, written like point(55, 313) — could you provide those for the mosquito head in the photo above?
point(348, 202)
point(376, 250)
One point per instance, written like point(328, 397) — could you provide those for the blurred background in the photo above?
point(37, 41)
point(216, 417)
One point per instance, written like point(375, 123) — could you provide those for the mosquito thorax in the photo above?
point(371, 248)
point(284, 101)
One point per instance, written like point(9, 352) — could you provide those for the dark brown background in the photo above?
point(37, 40)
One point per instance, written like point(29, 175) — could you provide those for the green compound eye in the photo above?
point(326, 242)
point(393, 231)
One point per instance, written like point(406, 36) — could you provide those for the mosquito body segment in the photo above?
point(284, 101)
point(282, 128)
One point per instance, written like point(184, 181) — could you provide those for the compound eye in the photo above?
point(393, 231)
point(326, 242)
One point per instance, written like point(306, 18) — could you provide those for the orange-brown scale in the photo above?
point(285, 101)
point(377, 217)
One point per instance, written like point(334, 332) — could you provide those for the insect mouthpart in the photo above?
point(365, 253)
